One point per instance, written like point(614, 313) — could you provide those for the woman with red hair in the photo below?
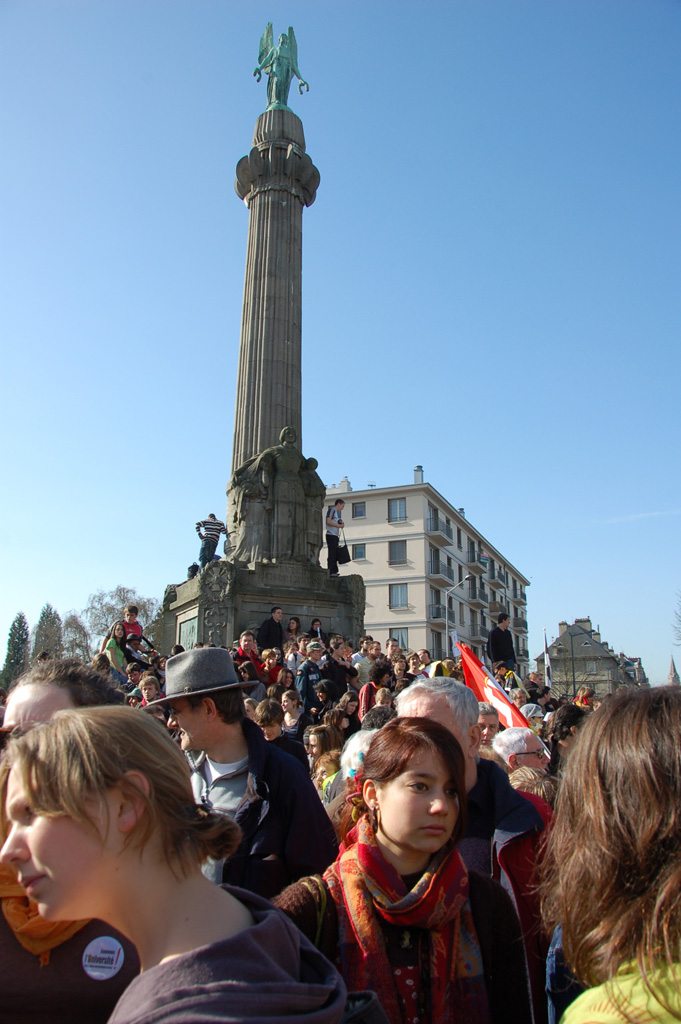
point(398, 912)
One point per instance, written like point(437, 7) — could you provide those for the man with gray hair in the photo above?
point(488, 720)
point(502, 836)
point(521, 748)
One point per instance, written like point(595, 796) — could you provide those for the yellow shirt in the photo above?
point(611, 1002)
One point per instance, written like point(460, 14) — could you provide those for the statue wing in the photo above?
point(266, 41)
point(293, 47)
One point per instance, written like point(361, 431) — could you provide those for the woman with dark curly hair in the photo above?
point(612, 866)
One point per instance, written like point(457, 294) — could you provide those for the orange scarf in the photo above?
point(35, 934)
point(366, 889)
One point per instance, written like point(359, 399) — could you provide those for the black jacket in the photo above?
point(500, 645)
point(270, 634)
point(286, 833)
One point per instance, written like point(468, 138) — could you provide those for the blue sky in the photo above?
point(490, 284)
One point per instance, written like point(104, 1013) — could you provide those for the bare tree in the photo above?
point(106, 607)
point(77, 639)
point(677, 622)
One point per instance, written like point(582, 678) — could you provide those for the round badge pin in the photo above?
point(103, 958)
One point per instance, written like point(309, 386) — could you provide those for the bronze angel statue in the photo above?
point(280, 64)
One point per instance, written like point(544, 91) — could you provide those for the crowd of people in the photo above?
point(305, 828)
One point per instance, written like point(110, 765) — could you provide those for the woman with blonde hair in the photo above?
point(612, 867)
point(102, 822)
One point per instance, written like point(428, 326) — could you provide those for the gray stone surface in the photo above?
point(275, 506)
point(276, 180)
point(224, 600)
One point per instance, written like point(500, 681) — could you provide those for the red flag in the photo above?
point(487, 689)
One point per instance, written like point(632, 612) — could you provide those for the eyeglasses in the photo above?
point(534, 753)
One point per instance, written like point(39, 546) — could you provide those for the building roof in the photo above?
point(457, 515)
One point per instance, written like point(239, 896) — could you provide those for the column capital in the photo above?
point(277, 166)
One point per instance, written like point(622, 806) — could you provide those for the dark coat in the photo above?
point(292, 747)
point(496, 925)
point(270, 634)
point(500, 645)
point(286, 833)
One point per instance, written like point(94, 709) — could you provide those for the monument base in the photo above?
point(224, 600)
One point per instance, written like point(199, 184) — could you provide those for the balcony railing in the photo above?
point(435, 524)
point(523, 652)
point(479, 632)
point(496, 579)
point(474, 561)
point(518, 622)
point(477, 595)
point(522, 596)
point(440, 569)
point(436, 611)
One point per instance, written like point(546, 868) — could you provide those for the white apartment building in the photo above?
point(414, 551)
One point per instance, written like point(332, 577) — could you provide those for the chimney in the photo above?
point(462, 512)
point(562, 627)
point(418, 474)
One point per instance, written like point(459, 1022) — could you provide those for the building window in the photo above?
point(436, 649)
point(397, 510)
point(459, 538)
point(462, 614)
point(359, 509)
point(359, 551)
point(460, 574)
point(591, 668)
point(402, 637)
point(397, 552)
point(397, 595)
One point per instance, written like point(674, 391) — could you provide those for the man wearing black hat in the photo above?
point(286, 834)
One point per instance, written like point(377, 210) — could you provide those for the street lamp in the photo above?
point(447, 593)
point(572, 658)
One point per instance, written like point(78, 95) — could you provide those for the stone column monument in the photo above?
point(275, 507)
point(276, 180)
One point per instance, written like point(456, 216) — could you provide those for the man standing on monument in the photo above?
point(212, 528)
point(334, 523)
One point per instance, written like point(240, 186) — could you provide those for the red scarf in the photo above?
point(364, 886)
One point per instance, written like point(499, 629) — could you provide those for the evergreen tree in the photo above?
point(48, 635)
point(16, 661)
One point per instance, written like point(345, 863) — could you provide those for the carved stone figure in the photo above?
point(315, 490)
point(280, 64)
point(250, 514)
point(276, 506)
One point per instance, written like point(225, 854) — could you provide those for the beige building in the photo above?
point(415, 552)
point(580, 657)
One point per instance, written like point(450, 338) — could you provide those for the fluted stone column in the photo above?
point(276, 180)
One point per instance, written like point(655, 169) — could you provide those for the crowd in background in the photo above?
point(422, 803)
